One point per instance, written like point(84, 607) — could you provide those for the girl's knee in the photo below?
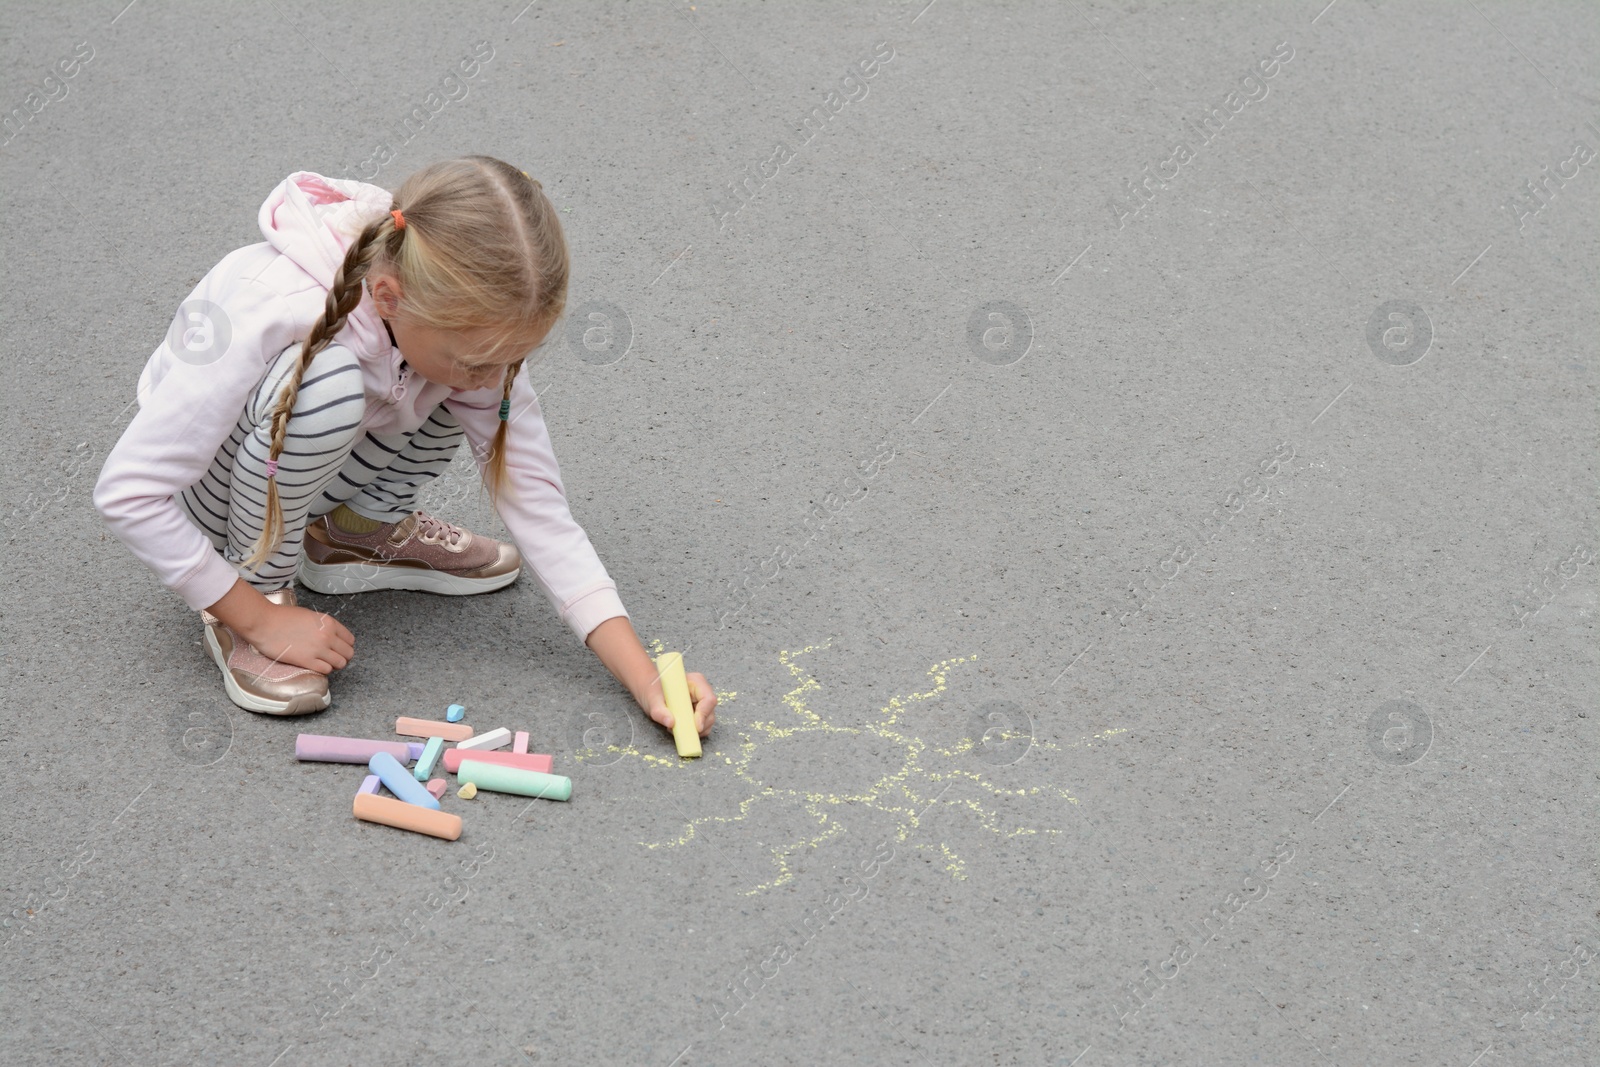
point(334, 375)
point(329, 402)
point(327, 390)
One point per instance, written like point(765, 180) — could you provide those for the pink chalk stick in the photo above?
point(318, 748)
point(528, 761)
point(519, 744)
point(437, 786)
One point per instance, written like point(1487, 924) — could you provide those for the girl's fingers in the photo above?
point(705, 703)
point(336, 629)
point(700, 691)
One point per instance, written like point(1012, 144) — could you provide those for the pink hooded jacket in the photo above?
point(269, 295)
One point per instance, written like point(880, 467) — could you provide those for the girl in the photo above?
point(311, 383)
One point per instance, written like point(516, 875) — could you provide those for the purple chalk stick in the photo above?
point(370, 785)
point(320, 749)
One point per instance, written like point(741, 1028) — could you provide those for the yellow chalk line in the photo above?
point(881, 795)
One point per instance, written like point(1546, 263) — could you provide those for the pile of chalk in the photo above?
point(413, 799)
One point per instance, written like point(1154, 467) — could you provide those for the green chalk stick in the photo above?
point(502, 779)
point(430, 756)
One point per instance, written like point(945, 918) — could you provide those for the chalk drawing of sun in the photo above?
point(913, 781)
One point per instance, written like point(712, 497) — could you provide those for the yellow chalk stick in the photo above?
point(675, 687)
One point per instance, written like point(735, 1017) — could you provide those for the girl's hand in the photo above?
point(701, 696)
point(302, 637)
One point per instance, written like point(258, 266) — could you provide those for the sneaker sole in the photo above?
point(343, 578)
point(254, 703)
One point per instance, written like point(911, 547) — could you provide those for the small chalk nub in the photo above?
point(455, 713)
point(519, 744)
point(416, 748)
point(398, 781)
point(675, 689)
point(399, 814)
point(437, 786)
point(499, 737)
point(467, 792)
point(428, 759)
point(450, 731)
point(370, 785)
point(501, 779)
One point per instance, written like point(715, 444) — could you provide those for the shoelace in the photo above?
point(438, 530)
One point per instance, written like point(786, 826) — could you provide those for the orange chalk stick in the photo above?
point(527, 761)
point(397, 813)
point(450, 731)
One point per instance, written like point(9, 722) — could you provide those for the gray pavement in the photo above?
point(1166, 495)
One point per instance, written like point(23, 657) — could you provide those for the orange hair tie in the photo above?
point(399, 219)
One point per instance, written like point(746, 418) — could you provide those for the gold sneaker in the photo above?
point(419, 552)
point(257, 683)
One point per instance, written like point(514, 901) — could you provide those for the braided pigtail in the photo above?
point(494, 471)
point(343, 297)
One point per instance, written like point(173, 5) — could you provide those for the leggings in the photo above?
point(326, 461)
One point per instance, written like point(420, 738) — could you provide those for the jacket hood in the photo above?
point(313, 220)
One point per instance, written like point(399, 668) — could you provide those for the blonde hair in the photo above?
point(481, 248)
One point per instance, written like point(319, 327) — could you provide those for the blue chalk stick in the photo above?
point(455, 713)
point(398, 780)
point(430, 756)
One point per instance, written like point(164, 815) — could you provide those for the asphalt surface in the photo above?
point(1168, 521)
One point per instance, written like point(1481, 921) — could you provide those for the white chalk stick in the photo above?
point(499, 737)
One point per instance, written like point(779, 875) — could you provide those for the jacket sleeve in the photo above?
point(179, 428)
point(533, 505)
